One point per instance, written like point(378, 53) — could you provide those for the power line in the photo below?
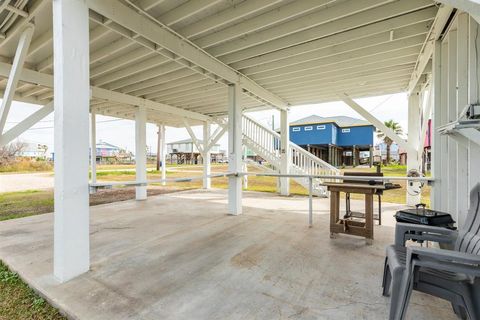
point(51, 127)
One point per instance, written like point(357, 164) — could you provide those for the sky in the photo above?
point(121, 132)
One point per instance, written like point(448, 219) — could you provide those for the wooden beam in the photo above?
point(425, 55)
point(374, 121)
point(471, 7)
point(192, 135)
point(14, 76)
point(26, 124)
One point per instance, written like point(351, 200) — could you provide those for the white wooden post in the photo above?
point(163, 152)
point(473, 97)
point(413, 161)
point(93, 147)
point(72, 96)
point(436, 163)
point(463, 191)
point(207, 181)
point(451, 169)
point(234, 149)
point(285, 157)
point(444, 197)
point(141, 151)
point(245, 167)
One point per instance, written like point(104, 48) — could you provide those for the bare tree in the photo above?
point(9, 152)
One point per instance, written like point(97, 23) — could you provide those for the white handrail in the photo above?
point(267, 143)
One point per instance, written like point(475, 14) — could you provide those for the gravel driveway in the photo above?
point(25, 181)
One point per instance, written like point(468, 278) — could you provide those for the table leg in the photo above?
point(369, 218)
point(379, 210)
point(334, 210)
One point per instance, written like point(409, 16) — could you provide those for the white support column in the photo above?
point(234, 149)
point(413, 161)
point(93, 146)
point(463, 192)
point(425, 117)
point(451, 169)
point(444, 119)
point(17, 66)
point(436, 163)
point(163, 153)
point(141, 151)
point(245, 167)
point(285, 157)
point(72, 97)
point(473, 97)
point(207, 181)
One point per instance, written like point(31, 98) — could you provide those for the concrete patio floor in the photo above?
point(179, 256)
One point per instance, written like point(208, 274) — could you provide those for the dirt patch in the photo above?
point(28, 203)
point(122, 194)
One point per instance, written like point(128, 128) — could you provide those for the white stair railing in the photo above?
point(263, 141)
point(266, 143)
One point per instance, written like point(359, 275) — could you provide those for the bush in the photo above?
point(26, 165)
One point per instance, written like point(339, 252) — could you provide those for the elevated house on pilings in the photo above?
point(186, 152)
point(337, 140)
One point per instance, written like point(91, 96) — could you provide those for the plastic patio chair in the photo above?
point(453, 275)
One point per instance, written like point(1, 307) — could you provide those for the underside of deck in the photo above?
point(180, 256)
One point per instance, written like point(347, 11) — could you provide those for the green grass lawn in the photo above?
point(31, 202)
point(395, 195)
point(25, 203)
point(19, 302)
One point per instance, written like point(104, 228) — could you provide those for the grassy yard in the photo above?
point(395, 195)
point(266, 184)
point(26, 165)
point(31, 202)
point(19, 302)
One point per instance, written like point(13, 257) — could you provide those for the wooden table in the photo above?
point(350, 226)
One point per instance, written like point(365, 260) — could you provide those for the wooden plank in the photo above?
point(353, 189)
point(369, 216)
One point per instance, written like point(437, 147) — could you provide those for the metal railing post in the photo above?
point(310, 202)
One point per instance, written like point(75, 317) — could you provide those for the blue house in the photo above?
point(338, 140)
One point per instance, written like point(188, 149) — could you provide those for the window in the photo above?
point(322, 127)
point(295, 129)
point(345, 130)
point(309, 128)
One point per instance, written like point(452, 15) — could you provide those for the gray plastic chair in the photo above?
point(453, 275)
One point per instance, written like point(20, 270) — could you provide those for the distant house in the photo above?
point(186, 152)
point(338, 140)
point(33, 150)
point(109, 153)
point(105, 149)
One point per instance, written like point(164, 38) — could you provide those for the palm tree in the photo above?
point(395, 126)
